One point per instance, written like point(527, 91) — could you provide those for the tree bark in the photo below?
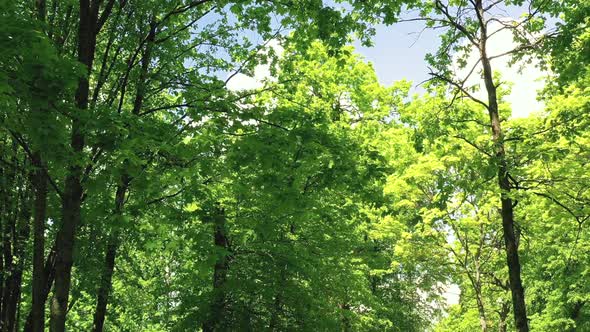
point(105, 284)
point(507, 212)
point(113, 242)
point(48, 277)
point(19, 237)
point(40, 208)
point(503, 313)
point(72, 200)
point(477, 286)
point(481, 311)
point(39, 181)
point(221, 241)
point(109, 267)
point(10, 217)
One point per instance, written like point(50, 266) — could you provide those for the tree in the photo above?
point(143, 194)
point(468, 28)
point(102, 97)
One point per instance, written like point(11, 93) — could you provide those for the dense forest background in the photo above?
point(140, 192)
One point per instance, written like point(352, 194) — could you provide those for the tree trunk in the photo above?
point(483, 322)
point(109, 267)
point(507, 211)
point(503, 313)
point(510, 241)
point(221, 241)
point(105, 284)
point(10, 217)
point(39, 181)
point(72, 200)
point(40, 208)
point(19, 237)
point(113, 244)
point(278, 302)
point(48, 277)
point(65, 246)
point(481, 311)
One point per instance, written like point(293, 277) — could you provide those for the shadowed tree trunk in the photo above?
point(503, 317)
point(48, 277)
point(278, 301)
point(39, 181)
point(105, 284)
point(19, 237)
point(72, 197)
point(113, 242)
point(507, 212)
point(10, 217)
point(40, 207)
point(109, 267)
point(479, 40)
point(214, 321)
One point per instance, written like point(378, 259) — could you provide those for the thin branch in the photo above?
point(556, 201)
point(451, 20)
point(254, 53)
point(181, 9)
point(28, 151)
point(165, 197)
point(458, 86)
point(474, 145)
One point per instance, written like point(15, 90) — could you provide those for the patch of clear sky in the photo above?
point(398, 50)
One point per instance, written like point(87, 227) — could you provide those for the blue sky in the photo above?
point(398, 52)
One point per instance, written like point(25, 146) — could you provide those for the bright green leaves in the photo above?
point(341, 196)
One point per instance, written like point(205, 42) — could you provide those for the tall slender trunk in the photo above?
point(113, 242)
point(105, 283)
point(72, 200)
point(278, 302)
point(71, 215)
point(483, 322)
point(10, 217)
point(503, 317)
point(109, 267)
point(40, 207)
point(481, 310)
point(510, 241)
point(3, 213)
point(345, 320)
point(39, 182)
point(214, 321)
point(19, 237)
point(48, 277)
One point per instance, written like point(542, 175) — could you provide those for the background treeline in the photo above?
point(139, 193)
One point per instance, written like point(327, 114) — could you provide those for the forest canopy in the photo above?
point(144, 188)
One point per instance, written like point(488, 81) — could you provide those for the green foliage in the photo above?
point(321, 201)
